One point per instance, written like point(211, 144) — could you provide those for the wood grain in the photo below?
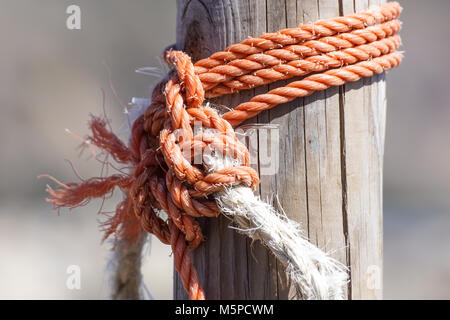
point(330, 153)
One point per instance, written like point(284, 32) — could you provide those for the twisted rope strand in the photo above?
point(239, 67)
point(183, 265)
point(307, 86)
point(282, 38)
point(297, 68)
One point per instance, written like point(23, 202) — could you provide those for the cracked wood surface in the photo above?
point(330, 158)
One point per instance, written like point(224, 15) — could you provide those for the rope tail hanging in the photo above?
point(164, 145)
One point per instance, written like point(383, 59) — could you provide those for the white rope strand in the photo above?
point(314, 274)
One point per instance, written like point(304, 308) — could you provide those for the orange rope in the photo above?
point(300, 67)
point(306, 86)
point(239, 67)
point(164, 175)
point(282, 38)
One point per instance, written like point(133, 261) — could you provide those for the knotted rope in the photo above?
point(164, 144)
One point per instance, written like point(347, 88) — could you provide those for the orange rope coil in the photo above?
point(282, 38)
point(303, 66)
point(165, 176)
point(239, 67)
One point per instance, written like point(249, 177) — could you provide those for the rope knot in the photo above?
point(185, 151)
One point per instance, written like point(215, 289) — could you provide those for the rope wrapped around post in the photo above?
point(165, 148)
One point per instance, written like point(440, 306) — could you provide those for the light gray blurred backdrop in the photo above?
point(51, 78)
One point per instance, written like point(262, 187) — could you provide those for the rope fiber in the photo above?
point(166, 178)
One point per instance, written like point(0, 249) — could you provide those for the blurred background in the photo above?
point(51, 78)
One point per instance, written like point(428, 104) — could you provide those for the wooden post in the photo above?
point(330, 158)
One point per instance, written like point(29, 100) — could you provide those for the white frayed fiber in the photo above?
point(314, 274)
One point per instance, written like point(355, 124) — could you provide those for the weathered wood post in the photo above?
point(331, 157)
